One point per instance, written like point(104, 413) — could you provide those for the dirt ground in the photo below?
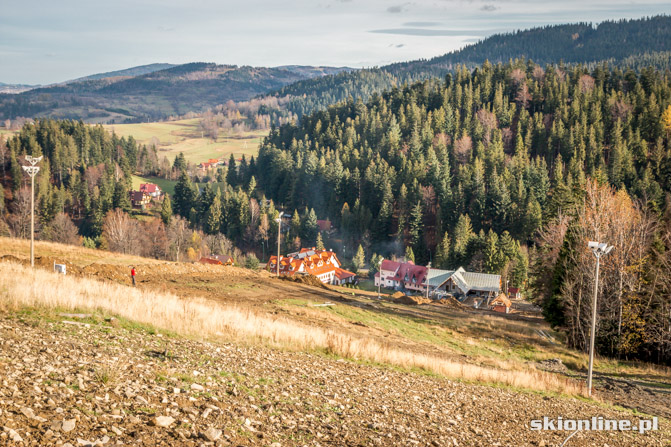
point(650, 393)
point(100, 383)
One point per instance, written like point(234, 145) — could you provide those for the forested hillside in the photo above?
point(466, 171)
point(626, 44)
point(155, 95)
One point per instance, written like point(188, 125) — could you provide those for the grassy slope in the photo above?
point(436, 333)
point(185, 136)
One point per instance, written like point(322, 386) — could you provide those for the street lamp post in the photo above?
point(32, 171)
point(379, 283)
point(428, 271)
point(599, 249)
point(279, 234)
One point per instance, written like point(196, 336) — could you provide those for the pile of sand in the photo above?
point(449, 301)
point(401, 298)
point(309, 280)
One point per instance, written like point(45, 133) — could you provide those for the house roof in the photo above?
point(206, 260)
point(414, 273)
point(149, 187)
point(343, 274)
point(390, 266)
point(437, 276)
point(467, 281)
point(501, 299)
point(307, 260)
point(513, 290)
point(483, 281)
point(223, 258)
point(137, 196)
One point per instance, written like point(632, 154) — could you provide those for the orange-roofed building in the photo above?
point(309, 261)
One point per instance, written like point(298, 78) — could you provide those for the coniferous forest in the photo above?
point(507, 168)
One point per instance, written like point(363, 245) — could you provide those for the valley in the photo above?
point(466, 247)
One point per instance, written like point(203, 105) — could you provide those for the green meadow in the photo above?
point(173, 137)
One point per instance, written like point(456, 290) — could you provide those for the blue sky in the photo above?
point(46, 41)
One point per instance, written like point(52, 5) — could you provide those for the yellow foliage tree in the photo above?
point(666, 121)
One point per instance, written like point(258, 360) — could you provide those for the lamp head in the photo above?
point(599, 248)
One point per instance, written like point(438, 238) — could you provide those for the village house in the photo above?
point(139, 199)
point(407, 276)
point(309, 261)
point(151, 189)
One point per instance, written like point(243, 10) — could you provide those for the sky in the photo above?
point(47, 41)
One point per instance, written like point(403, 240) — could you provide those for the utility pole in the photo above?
point(379, 271)
point(428, 271)
point(599, 249)
point(32, 171)
point(279, 235)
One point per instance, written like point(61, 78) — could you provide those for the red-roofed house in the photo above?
point(150, 189)
point(206, 260)
point(218, 259)
point(402, 275)
point(321, 263)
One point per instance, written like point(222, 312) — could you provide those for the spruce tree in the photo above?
point(232, 173)
point(166, 210)
point(409, 255)
point(320, 243)
point(463, 234)
point(120, 199)
point(213, 216)
point(309, 227)
point(442, 258)
point(179, 164)
point(359, 259)
point(185, 196)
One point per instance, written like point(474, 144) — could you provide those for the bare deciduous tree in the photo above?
point(155, 239)
point(178, 236)
point(121, 232)
point(19, 220)
point(62, 230)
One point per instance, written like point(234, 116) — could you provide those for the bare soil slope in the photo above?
point(105, 383)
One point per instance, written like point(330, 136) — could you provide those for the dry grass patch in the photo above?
point(200, 317)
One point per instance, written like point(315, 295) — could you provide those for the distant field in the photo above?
point(185, 136)
point(4, 133)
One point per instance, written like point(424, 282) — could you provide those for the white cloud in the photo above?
point(92, 36)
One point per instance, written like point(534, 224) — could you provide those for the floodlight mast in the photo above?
point(428, 271)
point(599, 249)
point(32, 171)
point(379, 283)
point(279, 233)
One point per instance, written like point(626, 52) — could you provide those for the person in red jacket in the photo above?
point(132, 275)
